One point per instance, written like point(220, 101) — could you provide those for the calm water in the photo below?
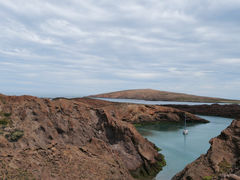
point(180, 150)
point(136, 101)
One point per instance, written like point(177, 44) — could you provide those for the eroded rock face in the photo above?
point(222, 160)
point(68, 139)
point(228, 111)
point(140, 113)
point(77, 139)
point(149, 114)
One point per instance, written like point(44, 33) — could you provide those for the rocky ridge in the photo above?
point(228, 110)
point(141, 114)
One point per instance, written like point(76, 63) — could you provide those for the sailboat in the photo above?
point(185, 131)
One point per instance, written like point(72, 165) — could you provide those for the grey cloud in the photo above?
point(124, 44)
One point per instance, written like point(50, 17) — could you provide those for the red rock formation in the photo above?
point(77, 139)
point(222, 160)
point(140, 113)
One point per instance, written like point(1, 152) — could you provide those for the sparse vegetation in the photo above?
point(4, 122)
point(157, 148)
point(15, 174)
point(5, 119)
point(14, 136)
point(7, 114)
point(2, 100)
point(151, 171)
point(224, 166)
point(207, 178)
point(137, 125)
point(161, 163)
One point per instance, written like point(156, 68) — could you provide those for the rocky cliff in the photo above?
point(77, 139)
point(141, 114)
point(222, 160)
point(228, 111)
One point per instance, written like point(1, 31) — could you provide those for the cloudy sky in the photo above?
point(81, 47)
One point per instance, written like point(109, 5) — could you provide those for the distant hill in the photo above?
point(156, 95)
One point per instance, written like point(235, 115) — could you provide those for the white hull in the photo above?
point(185, 131)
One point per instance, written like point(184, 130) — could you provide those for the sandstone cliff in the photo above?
point(222, 160)
point(77, 139)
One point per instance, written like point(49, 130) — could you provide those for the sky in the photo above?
point(82, 47)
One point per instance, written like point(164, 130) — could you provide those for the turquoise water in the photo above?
point(180, 150)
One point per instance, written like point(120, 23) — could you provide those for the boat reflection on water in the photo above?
point(185, 142)
point(185, 131)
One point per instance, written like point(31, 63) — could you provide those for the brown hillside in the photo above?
point(156, 95)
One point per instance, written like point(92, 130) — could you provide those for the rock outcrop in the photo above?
point(77, 139)
point(222, 161)
point(142, 114)
point(228, 111)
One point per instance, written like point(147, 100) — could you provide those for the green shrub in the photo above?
point(7, 114)
point(137, 125)
point(14, 136)
point(158, 149)
point(207, 178)
point(150, 171)
point(4, 121)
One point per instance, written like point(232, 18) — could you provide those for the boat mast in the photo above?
point(185, 131)
point(184, 120)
